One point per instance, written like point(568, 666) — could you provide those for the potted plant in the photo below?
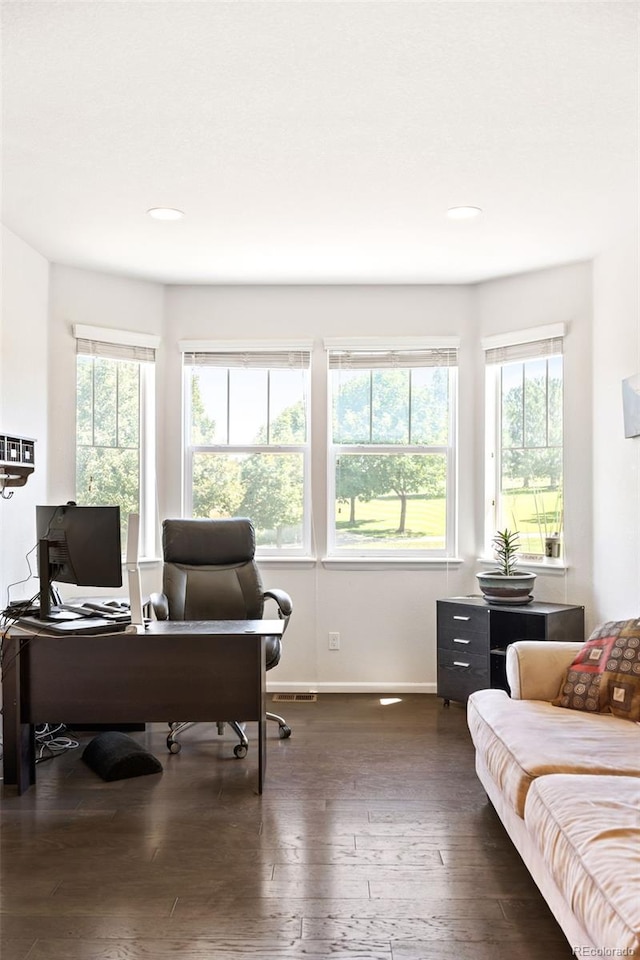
point(506, 584)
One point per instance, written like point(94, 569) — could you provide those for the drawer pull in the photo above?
point(460, 640)
point(460, 663)
point(457, 616)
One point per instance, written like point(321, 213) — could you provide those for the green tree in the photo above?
point(107, 435)
point(273, 482)
point(202, 425)
point(216, 485)
point(532, 432)
point(290, 426)
point(395, 406)
point(216, 481)
point(405, 475)
point(356, 479)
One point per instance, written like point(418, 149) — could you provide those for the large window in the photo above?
point(247, 440)
point(524, 432)
point(392, 449)
point(114, 429)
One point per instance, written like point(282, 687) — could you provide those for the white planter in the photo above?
point(498, 588)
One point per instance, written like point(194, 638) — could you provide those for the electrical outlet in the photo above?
point(334, 641)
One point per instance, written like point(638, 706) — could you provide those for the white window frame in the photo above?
point(238, 349)
point(401, 346)
point(534, 343)
point(135, 346)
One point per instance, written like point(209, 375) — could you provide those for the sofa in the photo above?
point(566, 785)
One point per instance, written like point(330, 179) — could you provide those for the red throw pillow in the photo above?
point(605, 674)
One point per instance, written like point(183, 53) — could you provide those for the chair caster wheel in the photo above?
point(173, 746)
point(284, 732)
point(240, 751)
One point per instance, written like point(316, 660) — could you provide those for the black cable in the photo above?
point(20, 608)
point(17, 583)
point(28, 554)
point(24, 642)
point(47, 738)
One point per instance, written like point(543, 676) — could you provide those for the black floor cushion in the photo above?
point(115, 756)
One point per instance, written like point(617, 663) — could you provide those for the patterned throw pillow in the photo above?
point(605, 674)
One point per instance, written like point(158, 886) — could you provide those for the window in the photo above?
point(115, 427)
point(392, 449)
point(247, 440)
point(524, 434)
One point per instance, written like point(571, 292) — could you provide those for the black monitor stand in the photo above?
point(49, 596)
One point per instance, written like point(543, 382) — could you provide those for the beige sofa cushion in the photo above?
point(587, 830)
point(520, 740)
point(535, 668)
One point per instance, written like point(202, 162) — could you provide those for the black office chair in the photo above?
point(210, 573)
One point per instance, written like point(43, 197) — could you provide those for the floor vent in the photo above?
point(295, 697)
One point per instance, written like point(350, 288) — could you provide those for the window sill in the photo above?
point(553, 567)
point(405, 563)
point(274, 561)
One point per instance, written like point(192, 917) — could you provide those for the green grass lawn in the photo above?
point(534, 514)
point(376, 522)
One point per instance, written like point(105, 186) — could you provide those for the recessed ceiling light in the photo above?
point(463, 213)
point(165, 213)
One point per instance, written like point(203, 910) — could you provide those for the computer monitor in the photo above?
point(79, 545)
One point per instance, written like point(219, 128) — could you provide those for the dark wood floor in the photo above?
point(373, 840)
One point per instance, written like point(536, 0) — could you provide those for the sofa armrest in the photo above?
point(535, 668)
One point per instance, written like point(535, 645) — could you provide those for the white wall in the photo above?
point(385, 616)
point(560, 294)
point(98, 299)
point(23, 399)
point(616, 460)
point(102, 300)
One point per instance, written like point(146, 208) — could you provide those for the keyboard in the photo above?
point(117, 614)
point(75, 627)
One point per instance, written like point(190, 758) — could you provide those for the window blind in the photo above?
point(524, 351)
point(525, 344)
point(115, 351)
point(392, 359)
point(282, 359)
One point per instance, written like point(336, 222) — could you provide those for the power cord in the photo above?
point(26, 579)
point(50, 743)
point(21, 608)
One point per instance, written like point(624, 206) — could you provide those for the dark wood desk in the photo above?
point(203, 671)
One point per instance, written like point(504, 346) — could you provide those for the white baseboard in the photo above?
point(373, 686)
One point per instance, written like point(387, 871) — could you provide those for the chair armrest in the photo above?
point(283, 600)
point(535, 668)
point(160, 606)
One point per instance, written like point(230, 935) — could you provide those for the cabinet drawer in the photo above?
point(463, 642)
point(460, 674)
point(462, 619)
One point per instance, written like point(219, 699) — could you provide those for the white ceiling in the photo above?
point(319, 142)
